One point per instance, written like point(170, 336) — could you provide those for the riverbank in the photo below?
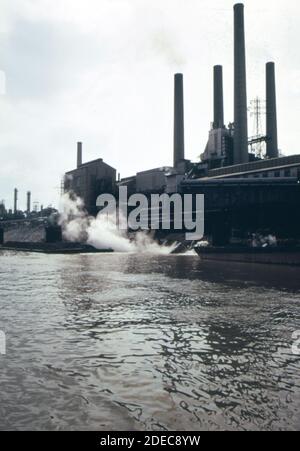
point(269, 255)
point(53, 248)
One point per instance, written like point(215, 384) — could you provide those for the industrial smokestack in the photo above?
point(271, 125)
point(218, 98)
point(178, 120)
point(240, 88)
point(79, 154)
point(28, 201)
point(15, 200)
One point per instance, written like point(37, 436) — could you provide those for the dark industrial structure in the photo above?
point(28, 210)
point(15, 201)
point(90, 179)
point(228, 152)
point(240, 148)
point(35, 230)
point(243, 191)
point(218, 98)
point(178, 120)
point(39, 225)
point(271, 125)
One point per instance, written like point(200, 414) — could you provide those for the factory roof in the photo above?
point(241, 181)
point(255, 166)
point(89, 163)
point(161, 169)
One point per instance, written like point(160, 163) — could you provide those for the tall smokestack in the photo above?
point(15, 200)
point(240, 88)
point(28, 201)
point(271, 125)
point(218, 98)
point(79, 154)
point(178, 120)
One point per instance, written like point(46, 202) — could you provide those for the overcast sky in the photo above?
point(101, 71)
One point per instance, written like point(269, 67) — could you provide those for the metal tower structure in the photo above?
point(257, 142)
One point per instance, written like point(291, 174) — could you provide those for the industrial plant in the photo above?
point(35, 224)
point(245, 191)
point(33, 209)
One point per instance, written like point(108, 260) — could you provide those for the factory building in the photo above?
point(242, 189)
point(244, 192)
point(90, 179)
point(227, 152)
point(283, 167)
point(152, 181)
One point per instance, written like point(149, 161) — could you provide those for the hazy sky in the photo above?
point(101, 71)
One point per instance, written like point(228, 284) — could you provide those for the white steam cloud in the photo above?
point(101, 232)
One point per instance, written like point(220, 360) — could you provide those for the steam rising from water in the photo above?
point(101, 232)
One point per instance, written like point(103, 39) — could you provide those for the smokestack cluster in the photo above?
point(271, 123)
point(240, 88)
point(79, 154)
point(178, 120)
point(218, 98)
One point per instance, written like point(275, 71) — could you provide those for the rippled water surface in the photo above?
point(141, 342)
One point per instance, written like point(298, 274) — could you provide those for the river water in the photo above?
point(147, 342)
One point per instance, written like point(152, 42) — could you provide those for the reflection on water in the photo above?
point(139, 342)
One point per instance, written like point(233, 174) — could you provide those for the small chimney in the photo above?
point(28, 201)
point(218, 98)
point(178, 120)
point(240, 88)
point(15, 201)
point(79, 154)
point(271, 124)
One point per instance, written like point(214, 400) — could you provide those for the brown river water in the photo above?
point(147, 342)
